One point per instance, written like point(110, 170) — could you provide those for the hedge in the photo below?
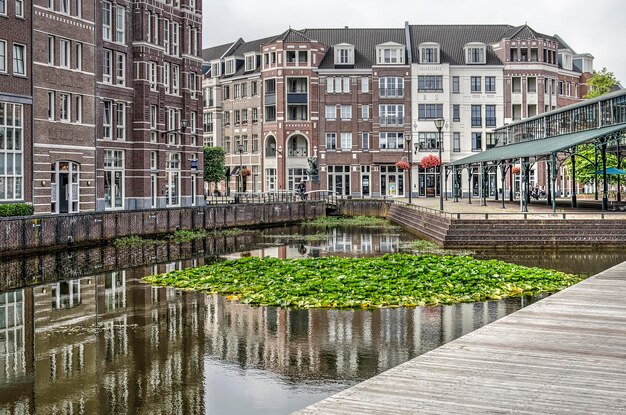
point(16, 209)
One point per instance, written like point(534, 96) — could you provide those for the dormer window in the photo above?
point(390, 54)
point(344, 54)
point(475, 53)
point(565, 59)
point(216, 69)
point(250, 62)
point(429, 52)
point(229, 67)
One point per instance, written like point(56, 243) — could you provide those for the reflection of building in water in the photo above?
point(366, 242)
point(313, 344)
point(103, 344)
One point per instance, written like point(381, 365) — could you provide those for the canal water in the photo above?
point(81, 334)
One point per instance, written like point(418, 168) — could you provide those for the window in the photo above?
point(153, 123)
point(3, 7)
point(51, 102)
point(121, 121)
point(175, 37)
point(19, 8)
point(106, 119)
point(391, 87)
point(391, 141)
point(391, 114)
point(346, 112)
point(166, 41)
point(476, 54)
point(477, 142)
point(338, 85)
point(331, 141)
point(456, 85)
point(154, 160)
point(490, 84)
point(79, 56)
point(175, 79)
point(255, 88)
point(490, 115)
point(11, 152)
point(244, 116)
point(236, 90)
point(19, 59)
point(227, 118)
point(166, 77)
point(79, 8)
point(113, 179)
point(390, 55)
point(79, 109)
point(365, 141)
point(331, 112)
point(491, 140)
point(346, 141)
point(65, 7)
point(430, 83)
point(456, 142)
point(237, 116)
point(365, 84)
point(244, 89)
point(255, 115)
point(531, 84)
point(365, 112)
point(3, 56)
point(65, 107)
point(477, 118)
point(106, 20)
point(475, 84)
point(106, 66)
point(120, 24)
point(255, 143)
point(429, 111)
point(153, 76)
point(428, 141)
point(344, 55)
point(516, 84)
point(192, 85)
point(50, 50)
point(250, 63)
point(430, 55)
point(456, 112)
point(120, 68)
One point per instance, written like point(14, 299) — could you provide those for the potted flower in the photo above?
point(245, 172)
point(403, 165)
point(515, 170)
point(430, 161)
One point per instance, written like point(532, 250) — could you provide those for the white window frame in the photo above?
point(365, 84)
point(107, 108)
point(19, 8)
point(114, 163)
point(175, 79)
point(331, 112)
point(470, 49)
point(166, 76)
point(346, 112)
point(331, 138)
point(107, 66)
point(153, 123)
point(79, 109)
point(65, 107)
point(120, 68)
point(51, 104)
point(51, 48)
point(120, 121)
point(344, 54)
point(106, 20)
point(120, 24)
point(152, 75)
point(79, 56)
point(3, 56)
point(166, 36)
point(365, 112)
point(175, 39)
point(65, 53)
point(65, 7)
point(16, 47)
point(12, 176)
point(346, 141)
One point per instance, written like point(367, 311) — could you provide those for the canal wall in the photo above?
point(18, 235)
point(364, 207)
point(528, 231)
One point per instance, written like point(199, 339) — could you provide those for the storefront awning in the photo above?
point(540, 147)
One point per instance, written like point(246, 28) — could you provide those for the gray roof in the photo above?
point(452, 38)
point(291, 35)
point(240, 50)
point(364, 41)
point(216, 52)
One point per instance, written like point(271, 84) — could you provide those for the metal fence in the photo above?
point(45, 231)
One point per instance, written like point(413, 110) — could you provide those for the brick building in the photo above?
point(360, 100)
point(16, 101)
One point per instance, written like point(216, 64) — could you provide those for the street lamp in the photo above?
point(439, 123)
point(407, 137)
point(183, 126)
point(240, 151)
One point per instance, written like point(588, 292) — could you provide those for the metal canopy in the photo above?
point(540, 147)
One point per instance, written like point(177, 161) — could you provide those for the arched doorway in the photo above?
point(297, 151)
point(270, 164)
point(65, 188)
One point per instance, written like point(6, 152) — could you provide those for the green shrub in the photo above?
point(16, 209)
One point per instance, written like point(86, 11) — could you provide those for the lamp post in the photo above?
point(183, 126)
point(408, 137)
point(240, 151)
point(439, 123)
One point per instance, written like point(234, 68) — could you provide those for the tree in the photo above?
point(214, 162)
point(600, 83)
point(585, 164)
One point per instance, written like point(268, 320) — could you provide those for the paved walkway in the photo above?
point(565, 354)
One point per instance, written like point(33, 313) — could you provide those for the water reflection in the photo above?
point(103, 342)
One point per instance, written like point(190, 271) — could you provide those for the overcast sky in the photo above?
point(594, 26)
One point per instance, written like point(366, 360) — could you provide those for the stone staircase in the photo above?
point(502, 233)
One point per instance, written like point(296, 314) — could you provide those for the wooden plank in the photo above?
point(565, 354)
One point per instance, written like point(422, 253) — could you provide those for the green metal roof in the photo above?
point(540, 147)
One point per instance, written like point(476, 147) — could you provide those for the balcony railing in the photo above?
point(297, 98)
point(297, 152)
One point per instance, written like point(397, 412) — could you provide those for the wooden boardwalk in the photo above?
point(565, 354)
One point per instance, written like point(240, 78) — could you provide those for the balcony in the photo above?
point(297, 98)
